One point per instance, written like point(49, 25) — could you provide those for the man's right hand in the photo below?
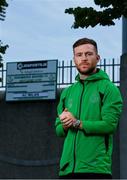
point(67, 119)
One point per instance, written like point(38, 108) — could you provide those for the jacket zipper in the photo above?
point(77, 130)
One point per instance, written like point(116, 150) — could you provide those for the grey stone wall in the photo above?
point(29, 147)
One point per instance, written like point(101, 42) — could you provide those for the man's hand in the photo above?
point(67, 119)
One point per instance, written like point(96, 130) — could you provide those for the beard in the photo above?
point(87, 72)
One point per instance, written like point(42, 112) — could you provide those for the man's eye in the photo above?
point(79, 55)
point(89, 54)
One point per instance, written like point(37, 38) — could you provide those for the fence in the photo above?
point(67, 72)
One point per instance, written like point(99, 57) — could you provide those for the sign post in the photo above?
point(31, 80)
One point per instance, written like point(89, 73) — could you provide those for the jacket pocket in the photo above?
point(64, 166)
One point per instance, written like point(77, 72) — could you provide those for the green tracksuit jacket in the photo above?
point(97, 103)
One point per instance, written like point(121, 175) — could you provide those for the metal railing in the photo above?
point(2, 76)
point(67, 71)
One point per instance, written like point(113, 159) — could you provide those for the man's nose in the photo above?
point(84, 57)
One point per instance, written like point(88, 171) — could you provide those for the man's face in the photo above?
point(86, 58)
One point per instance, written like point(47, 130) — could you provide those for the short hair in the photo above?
point(85, 41)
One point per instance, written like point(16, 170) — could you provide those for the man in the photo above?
point(88, 114)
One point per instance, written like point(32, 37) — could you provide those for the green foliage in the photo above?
point(85, 17)
point(2, 49)
point(3, 5)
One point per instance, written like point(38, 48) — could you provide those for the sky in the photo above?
point(40, 30)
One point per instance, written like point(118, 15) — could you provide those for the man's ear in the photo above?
point(98, 57)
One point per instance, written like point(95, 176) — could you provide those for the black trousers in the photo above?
point(86, 176)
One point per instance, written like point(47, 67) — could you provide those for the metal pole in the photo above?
point(124, 35)
point(123, 88)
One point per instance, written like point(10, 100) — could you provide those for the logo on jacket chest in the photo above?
point(94, 98)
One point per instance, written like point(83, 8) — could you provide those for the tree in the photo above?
point(3, 6)
point(85, 17)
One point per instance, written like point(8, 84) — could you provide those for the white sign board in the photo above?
point(31, 80)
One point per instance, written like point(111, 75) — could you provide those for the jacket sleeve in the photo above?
point(110, 113)
point(61, 106)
